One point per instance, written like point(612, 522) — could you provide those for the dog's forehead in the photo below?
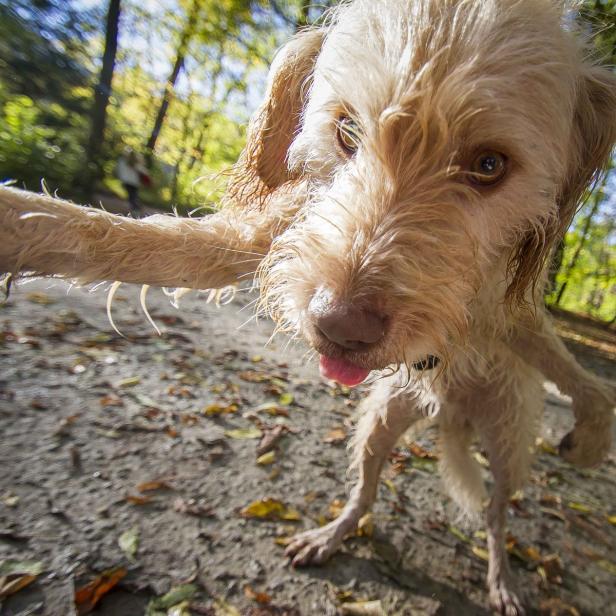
point(376, 49)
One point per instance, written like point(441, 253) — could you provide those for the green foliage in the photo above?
point(39, 141)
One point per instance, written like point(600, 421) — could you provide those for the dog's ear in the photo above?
point(592, 141)
point(262, 166)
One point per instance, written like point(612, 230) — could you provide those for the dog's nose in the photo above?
point(343, 323)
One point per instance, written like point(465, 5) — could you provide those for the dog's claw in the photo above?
point(504, 601)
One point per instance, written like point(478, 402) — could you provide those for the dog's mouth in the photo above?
point(342, 371)
point(347, 373)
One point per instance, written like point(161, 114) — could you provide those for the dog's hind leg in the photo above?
point(46, 236)
point(387, 415)
point(590, 440)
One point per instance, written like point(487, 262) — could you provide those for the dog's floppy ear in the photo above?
point(592, 141)
point(262, 166)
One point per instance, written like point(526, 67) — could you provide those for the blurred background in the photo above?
point(168, 86)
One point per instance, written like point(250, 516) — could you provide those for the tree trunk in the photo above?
point(178, 65)
point(578, 250)
point(102, 92)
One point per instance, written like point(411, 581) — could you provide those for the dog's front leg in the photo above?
point(590, 440)
point(46, 236)
point(387, 414)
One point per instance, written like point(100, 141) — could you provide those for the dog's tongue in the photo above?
point(342, 371)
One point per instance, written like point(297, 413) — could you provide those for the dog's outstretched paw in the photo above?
point(314, 547)
point(589, 442)
point(504, 601)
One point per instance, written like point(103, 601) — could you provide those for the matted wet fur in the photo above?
point(368, 189)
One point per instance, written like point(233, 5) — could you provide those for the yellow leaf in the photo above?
point(270, 509)
point(456, 532)
point(546, 447)
point(131, 381)
point(607, 565)
point(244, 433)
point(219, 409)
point(286, 399)
point(480, 553)
point(255, 359)
point(612, 519)
point(390, 486)
point(335, 508)
point(267, 458)
point(579, 507)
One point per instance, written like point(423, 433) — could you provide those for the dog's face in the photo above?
point(442, 146)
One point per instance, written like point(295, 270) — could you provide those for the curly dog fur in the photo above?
point(404, 182)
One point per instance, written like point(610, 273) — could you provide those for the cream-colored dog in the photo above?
point(411, 168)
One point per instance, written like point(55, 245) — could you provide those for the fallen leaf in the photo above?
point(607, 565)
point(10, 500)
point(225, 609)
point(15, 575)
point(255, 359)
point(172, 600)
point(215, 409)
point(420, 452)
point(111, 400)
point(335, 508)
point(130, 381)
point(270, 509)
point(390, 486)
point(579, 507)
point(244, 433)
point(156, 484)
point(129, 542)
point(480, 552)
point(89, 595)
point(556, 607)
point(272, 408)
point(271, 436)
point(135, 499)
point(335, 436)
point(459, 534)
point(481, 459)
point(362, 608)
point(286, 399)
point(260, 597)
point(546, 447)
point(267, 458)
point(612, 519)
point(252, 376)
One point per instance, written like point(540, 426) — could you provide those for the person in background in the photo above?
point(131, 171)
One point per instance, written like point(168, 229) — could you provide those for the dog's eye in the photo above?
point(347, 132)
point(488, 168)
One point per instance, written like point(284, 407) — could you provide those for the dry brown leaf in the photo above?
point(89, 595)
point(156, 484)
point(362, 608)
point(335, 436)
point(556, 607)
point(135, 499)
point(260, 597)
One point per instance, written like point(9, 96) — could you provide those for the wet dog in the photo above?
point(412, 167)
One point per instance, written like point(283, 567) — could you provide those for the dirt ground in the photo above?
point(139, 455)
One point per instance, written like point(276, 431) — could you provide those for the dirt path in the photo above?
point(88, 418)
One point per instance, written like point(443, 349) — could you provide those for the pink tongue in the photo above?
point(342, 371)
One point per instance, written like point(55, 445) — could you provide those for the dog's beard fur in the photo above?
point(398, 227)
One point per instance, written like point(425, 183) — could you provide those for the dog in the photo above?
point(403, 185)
